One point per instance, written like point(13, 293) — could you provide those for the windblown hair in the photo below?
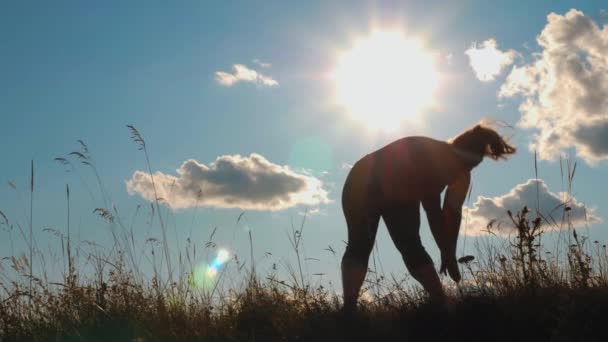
point(483, 141)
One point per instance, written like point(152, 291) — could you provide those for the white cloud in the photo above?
point(487, 60)
point(261, 64)
point(564, 89)
point(241, 73)
point(551, 206)
point(231, 181)
point(313, 212)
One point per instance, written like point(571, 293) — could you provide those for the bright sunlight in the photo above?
point(384, 79)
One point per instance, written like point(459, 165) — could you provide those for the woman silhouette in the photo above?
point(392, 182)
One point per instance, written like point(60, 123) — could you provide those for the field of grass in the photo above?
point(513, 290)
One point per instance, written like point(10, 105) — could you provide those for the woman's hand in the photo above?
point(449, 265)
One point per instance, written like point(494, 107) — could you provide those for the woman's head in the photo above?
point(483, 141)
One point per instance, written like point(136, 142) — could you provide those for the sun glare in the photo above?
point(384, 79)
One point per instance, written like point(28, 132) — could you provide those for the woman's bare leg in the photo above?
point(427, 276)
point(362, 228)
point(403, 223)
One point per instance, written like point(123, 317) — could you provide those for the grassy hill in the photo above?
point(511, 293)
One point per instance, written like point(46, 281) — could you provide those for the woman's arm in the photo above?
point(452, 206)
point(452, 216)
point(432, 207)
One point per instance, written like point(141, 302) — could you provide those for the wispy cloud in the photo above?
point(261, 64)
point(241, 73)
point(551, 205)
point(313, 212)
point(231, 181)
point(565, 88)
point(487, 60)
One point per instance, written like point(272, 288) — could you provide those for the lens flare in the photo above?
point(311, 153)
point(211, 272)
point(223, 256)
point(204, 276)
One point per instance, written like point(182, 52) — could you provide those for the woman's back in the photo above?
point(407, 169)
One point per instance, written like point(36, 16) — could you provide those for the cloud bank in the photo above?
point(487, 60)
point(241, 73)
point(551, 206)
point(564, 89)
point(231, 181)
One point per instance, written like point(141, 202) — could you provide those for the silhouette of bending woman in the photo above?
point(392, 182)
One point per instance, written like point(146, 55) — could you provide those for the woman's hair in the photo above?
point(483, 141)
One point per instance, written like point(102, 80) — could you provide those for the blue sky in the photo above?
point(73, 71)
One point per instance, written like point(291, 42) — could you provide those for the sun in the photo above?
point(385, 79)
